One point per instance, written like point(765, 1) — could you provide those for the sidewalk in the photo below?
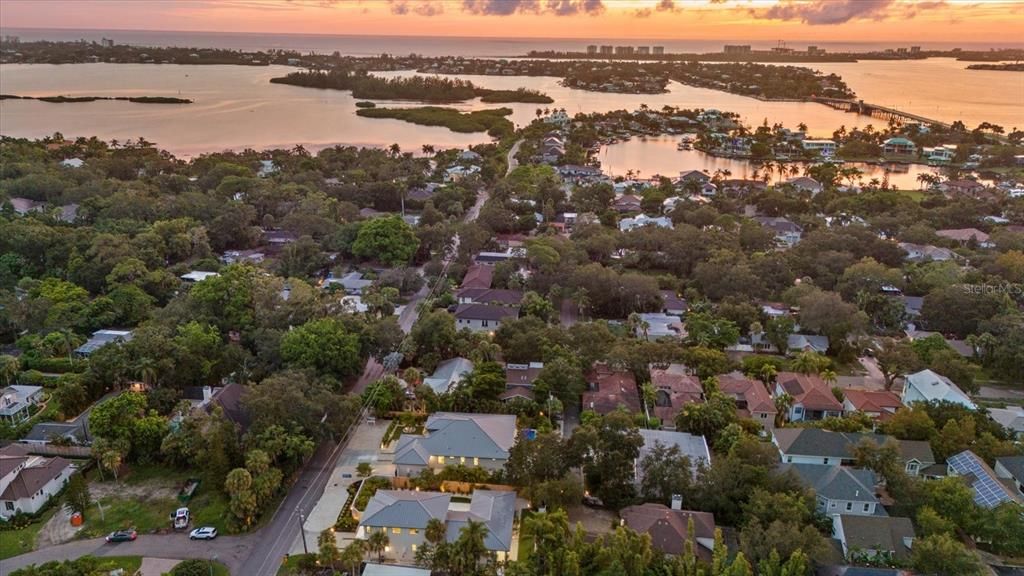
point(363, 447)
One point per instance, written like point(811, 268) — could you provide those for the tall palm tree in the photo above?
point(377, 543)
point(767, 373)
point(428, 149)
point(649, 395)
point(469, 548)
point(783, 403)
point(352, 556)
point(436, 531)
point(829, 376)
point(147, 371)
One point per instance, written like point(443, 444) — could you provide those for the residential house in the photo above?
point(491, 258)
point(374, 569)
point(422, 193)
point(627, 224)
point(27, 482)
point(926, 386)
point(460, 173)
point(72, 163)
point(787, 233)
point(740, 187)
point(669, 530)
point(448, 373)
point(608, 389)
point(1011, 469)
point(519, 379)
point(962, 187)
point(824, 148)
point(838, 489)
point(404, 514)
point(352, 283)
point(964, 235)
point(246, 256)
point(939, 154)
point(626, 203)
point(878, 404)
point(807, 343)
point(1011, 418)
point(495, 296)
point(925, 253)
point(469, 156)
point(989, 492)
point(817, 446)
point(695, 448)
point(655, 325)
point(806, 184)
point(481, 440)
point(278, 238)
point(16, 403)
point(674, 387)
point(693, 176)
point(478, 276)
point(266, 169)
point(76, 432)
point(101, 338)
point(899, 145)
point(751, 397)
point(229, 400)
point(885, 538)
point(672, 303)
point(483, 317)
point(24, 206)
point(812, 398)
point(198, 276)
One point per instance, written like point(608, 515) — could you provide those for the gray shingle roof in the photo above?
point(452, 434)
point(836, 482)
point(405, 509)
point(818, 442)
point(101, 338)
point(881, 533)
point(447, 373)
point(1014, 465)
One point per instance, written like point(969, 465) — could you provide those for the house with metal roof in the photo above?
point(101, 338)
point(838, 489)
point(693, 447)
point(495, 296)
point(16, 403)
point(866, 537)
point(817, 446)
point(27, 482)
point(669, 528)
point(351, 283)
point(1011, 418)
point(449, 373)
point(404, 515)
point(927, 386)
point(989, 492)
point(481, 440)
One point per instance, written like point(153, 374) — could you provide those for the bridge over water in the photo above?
point(876, 111)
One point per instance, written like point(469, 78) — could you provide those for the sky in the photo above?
point(976, 21)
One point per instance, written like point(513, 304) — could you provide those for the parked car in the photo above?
point(181, 519)
point(203, 533)
point(122, 536)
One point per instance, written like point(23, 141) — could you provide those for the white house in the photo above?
point(72, 163)
point(817, 446)
point(838, 489)
point(926, 386)
point(27, 482)
point(448, 373)
point(16, 403)
point(822, 147)
point(483, 317)
point(481, 440)
point(627, 224)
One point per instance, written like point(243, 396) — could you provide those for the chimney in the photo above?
point(207, 395)
point(677, 502)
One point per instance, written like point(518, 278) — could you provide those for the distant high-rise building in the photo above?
point(643, 49)
point(606, 49)
point(815, 50)
point(11, 40)
point(659, 50)
point(107, 42)
point(737, 49)
point(915, 49)
point(623, 50)
point(592, 49)
point(901, 50)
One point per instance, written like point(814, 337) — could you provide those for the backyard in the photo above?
point(14, 542)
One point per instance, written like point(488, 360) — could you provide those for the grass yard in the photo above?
point(15, 542)
point(291, 566)
point(120, 513)
point(98, 565)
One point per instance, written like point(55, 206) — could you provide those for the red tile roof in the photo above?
point(668, 528)
point(747, 392)
point(808, 390)
point(478, 276)
point(675, 388)
point(610, 389)
point(881, 401)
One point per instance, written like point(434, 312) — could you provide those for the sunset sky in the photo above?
point(986, 21)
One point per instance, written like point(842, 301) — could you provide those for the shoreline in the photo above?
point(86, 99)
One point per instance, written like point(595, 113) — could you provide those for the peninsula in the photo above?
point(80, 99)
point(421, 88)
point(492, 121)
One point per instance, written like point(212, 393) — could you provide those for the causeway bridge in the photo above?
point(875, 110)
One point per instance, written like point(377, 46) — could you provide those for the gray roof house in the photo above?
point(926, 386)
point(448, 373)
point(989, 492)
point(839, 490)
point(886, 536)
point(101, 338)
point(483, 317)
point(482, 440)
point(16, 403)
point(817, 446)
point(1011, 469)
point(496, 510)
point(404, 515)
point(693, 447)
point(352, 283)
point(1011, 417)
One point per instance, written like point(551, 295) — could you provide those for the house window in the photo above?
point(9, 505)
point(396, 530)
point(476, 461)
point(462, 459)
point(413, 531)
point(413, 547)
point(867, 507)
point(763, 416)
point(849, 506)
point(484, 323)
point(440, 460)
point(912, 468)
point(789, 459)
point(824, 461)
point(831, 504)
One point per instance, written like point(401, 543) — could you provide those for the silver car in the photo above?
point(203, 533)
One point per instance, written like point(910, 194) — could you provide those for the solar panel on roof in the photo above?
point(988, 492)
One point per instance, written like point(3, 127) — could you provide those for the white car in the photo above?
point(203, 533)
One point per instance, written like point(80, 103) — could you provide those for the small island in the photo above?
point(365, 104)
point(492, 121)
point(1009, 67)
point(80, 99)
point(420, 88)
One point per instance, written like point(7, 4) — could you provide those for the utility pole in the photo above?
point(302, 530)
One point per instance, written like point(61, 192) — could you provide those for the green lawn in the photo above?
point(291, 565)
point(121, 513)
point(104, 565)
point(15, 542)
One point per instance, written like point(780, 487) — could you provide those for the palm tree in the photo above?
point(829, 376)
point(469, 548)
point(67, 341)
point(9, 368)
point(806, 362)
point(428, 149)
point(436, 531)
point(801, 127)
point(395, 149)
point(783, 403)
point(147, 371)
point(378, 543)
point(649, 395)
point(352, 556)
point(767, 373)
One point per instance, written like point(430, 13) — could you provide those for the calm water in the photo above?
point(658, 156)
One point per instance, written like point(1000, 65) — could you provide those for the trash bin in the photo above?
point(76, 519)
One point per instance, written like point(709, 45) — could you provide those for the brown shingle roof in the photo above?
point(675, 386)
point(881, 401)
point(478, 276)
point(609, 389)
point(808, 390)
point(745, 391)
point(668, 528)
point(33, 477)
